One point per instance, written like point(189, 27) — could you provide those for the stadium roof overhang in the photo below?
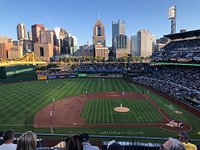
point(194, 33)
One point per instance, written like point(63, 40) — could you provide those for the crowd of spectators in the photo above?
point(100, 66)
point(183, 44)
point(58, 71)
point(180, 51)
point(130, 67)
point(180, 82)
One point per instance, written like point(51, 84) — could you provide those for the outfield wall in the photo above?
point(18, 73)
point(100, 75)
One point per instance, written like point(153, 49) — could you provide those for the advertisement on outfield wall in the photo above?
point(82, 75)
point(62, 76)
point(53, 77)
point(71, 76)
point(99, 75)
point(42, 77)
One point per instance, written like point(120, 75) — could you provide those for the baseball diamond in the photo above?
point(62, 104)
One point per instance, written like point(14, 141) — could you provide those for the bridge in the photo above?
point(27, 59)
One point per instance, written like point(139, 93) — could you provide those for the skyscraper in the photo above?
point(99, 33)
point(46, 36)
point(99, 41)
point(119, 39)
point(145, 43)
point(36, 31)
point(5, 47)
point(134, 46)
point(73, 44)
point(64, 41)
point(117, 29)
point(128, 46)
point(21, 31)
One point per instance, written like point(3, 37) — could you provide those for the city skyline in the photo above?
point(79, 17)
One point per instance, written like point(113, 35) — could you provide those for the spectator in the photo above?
point(184, 138)
point(113, 145)
point(8, 137)
point(86, 143)
point(172, 144)
point(73, 143)
point(27, 141)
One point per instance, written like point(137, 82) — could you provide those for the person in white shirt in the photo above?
point(86, 143)
point(8, 137)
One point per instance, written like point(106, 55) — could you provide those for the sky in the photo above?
point(79, 16)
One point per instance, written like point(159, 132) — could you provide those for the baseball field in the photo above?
point(109, 107)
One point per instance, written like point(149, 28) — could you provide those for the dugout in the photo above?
point(18, 73)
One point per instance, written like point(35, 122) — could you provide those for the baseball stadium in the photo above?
point(155, 99)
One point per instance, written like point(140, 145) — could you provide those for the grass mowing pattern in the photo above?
point(20, 102)
point(101, 111)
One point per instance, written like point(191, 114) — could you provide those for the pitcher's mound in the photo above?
point(121, 109)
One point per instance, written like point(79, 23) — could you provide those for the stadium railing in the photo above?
point(55, 141)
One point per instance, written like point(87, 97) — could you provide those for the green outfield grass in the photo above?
point(101, 111)
point(19, 102)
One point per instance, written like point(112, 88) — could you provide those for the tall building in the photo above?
point(46, 36)
point(73, 44)
point(117, 29)
point(119, 40)
point(99, 41)
point(43, 40)
point(21, 31)
point(85, 50)
point(101, 51)
point(65, 41)
point(99, 33)
point(120, 46)
point(146, 43)
point(62, 37)
point(134, 46)
point(30, 35)
point(128, 46)
point(44, 51)
point(36, 30)
point(16, 50)
point(27, 45)
point(5, 47)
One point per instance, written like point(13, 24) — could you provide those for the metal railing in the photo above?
point(57, 141)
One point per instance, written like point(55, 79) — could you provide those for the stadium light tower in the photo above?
point(172, 17)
